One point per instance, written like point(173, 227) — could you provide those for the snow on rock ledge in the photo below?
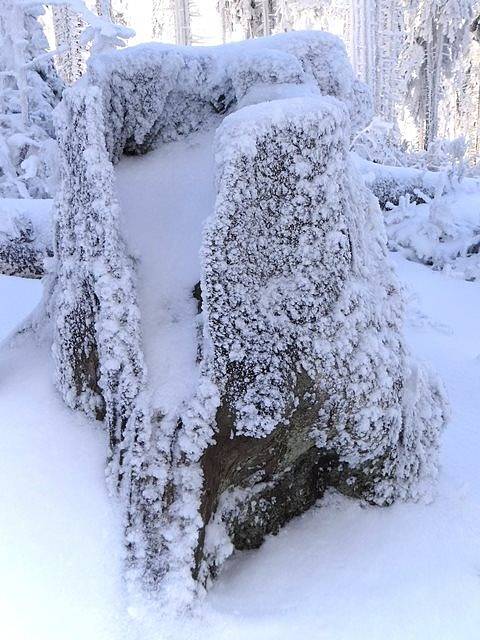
point(155, 93)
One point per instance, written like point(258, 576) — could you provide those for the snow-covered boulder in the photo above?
point(279, 367)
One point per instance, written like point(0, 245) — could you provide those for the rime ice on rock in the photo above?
point(303, 378)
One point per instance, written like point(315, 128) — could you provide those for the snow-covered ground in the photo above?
point(165, 197)
point(340, 572)
point(18, 297)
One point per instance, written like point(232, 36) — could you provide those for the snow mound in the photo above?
point(443, 231)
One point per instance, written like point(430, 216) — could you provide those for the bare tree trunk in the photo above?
point(104, 8)
point(68, 27)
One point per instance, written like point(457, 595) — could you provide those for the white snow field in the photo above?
point(340, 572)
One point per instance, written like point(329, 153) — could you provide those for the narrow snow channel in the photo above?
point(165, 197)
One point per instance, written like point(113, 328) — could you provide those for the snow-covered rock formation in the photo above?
point(25, 236)
point(299, 378)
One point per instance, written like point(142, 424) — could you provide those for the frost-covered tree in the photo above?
point(104, 8)
point(68, 27)
point(171, 21)
point(437, 32)
point(459, 109)
point(30, 89)
point(252, 18)
point(79, 30)
point(376, 41)
point(120, 12)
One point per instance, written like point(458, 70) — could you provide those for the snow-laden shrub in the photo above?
point(30, 89)
point(443, 154)
point(432, 217)
point(380, 142)
point(25, 236)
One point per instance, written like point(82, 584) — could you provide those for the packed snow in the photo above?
point(165, 197)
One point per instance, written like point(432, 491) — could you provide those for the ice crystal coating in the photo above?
point(300, 322)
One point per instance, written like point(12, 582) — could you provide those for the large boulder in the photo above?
point(302, 379)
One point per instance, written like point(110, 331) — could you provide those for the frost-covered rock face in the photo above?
point(275, 256)
point(304, 322)
point(155, 93)
point(303, 378)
